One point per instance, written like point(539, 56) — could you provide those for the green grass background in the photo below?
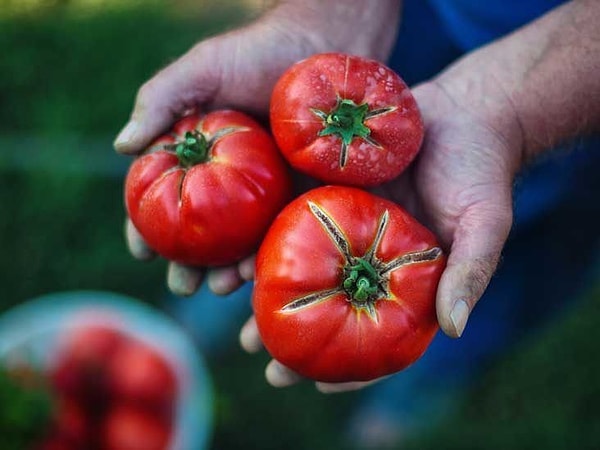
point(67, 83)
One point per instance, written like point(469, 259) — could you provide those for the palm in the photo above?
point(459, 186)
point(461, 179)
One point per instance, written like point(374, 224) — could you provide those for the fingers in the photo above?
point(280, 376)
point(183, 280)
point(335, 388)
point(177, 89)
point(135, 243)
point(223, 281)
point(246, 268)
point(276, 373)
point(249, 337)
point(475, 252)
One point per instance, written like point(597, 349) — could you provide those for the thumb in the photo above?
point(478, 242)
point(175, 91)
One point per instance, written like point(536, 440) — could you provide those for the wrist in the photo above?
point(538, 86)
point(548, 71)
point(360, 27)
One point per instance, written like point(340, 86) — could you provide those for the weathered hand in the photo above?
point(460, 187)
point(234, 70)
point(485, 116)
point(238, 70)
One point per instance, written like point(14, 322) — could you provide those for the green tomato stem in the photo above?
point(346, 121)
point(362, 281)
point(194, 149)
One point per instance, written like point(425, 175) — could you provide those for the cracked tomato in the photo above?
point(345, 120)
point(205, 193)
point(345, 286)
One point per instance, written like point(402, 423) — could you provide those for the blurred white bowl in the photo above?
point(34, 329)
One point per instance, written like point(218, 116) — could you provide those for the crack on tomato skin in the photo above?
point(371, 312)
point(412, 258)
point(320, 114)
point(221, 133)
point(180, 188)
point(153, 148)
point(380, 112)
point(310, 300)
point(381, 226)
point(369, 140)
point(363, 280)
point(343, 155)
point(336, 235)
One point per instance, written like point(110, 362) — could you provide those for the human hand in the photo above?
point(460, 187)
point(484, 117)
point(238, 70)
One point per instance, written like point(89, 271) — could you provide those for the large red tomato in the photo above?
point(205, 193)
point(345, 120)
point(345, 286)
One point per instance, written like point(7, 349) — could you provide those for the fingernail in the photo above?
point(459, 316)
point(126, 135)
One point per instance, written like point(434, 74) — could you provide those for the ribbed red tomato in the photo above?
point(205, 193)
point(345, 120)
point(345, 286)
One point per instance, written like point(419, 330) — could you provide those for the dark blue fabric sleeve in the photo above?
point(472, 23)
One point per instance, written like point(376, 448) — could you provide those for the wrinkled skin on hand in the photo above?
point(238, 70)
point(459, 186)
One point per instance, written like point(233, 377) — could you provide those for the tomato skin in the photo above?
point(316, 84)
point(72, 422)
point(79, 368)
point(216, 212)
point(129, 428)
point(140, 375)
point(332, 340)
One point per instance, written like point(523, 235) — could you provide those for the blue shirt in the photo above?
point(472, 23)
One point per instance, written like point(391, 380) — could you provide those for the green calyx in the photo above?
point(346, 121)
point(361, 281)
point(193, 149)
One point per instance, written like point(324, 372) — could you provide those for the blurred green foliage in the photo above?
point(544, 395)
point(65, 73)
point(67, 84)
point(29, 413)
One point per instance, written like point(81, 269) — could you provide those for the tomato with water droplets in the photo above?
point(345, 120)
